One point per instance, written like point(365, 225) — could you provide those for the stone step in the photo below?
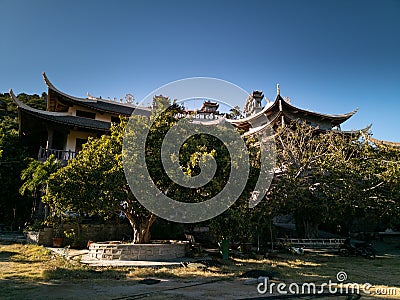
point(12, 237)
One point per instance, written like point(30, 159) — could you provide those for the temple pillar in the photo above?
point(50, 133)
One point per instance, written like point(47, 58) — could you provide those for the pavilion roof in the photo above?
point(62, 118)
point(97, 104)
point(336, 119)
point(384, 143)
point(280, 107)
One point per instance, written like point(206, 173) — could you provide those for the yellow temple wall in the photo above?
point(73, 135)
point(106, 117)
point(103, 117)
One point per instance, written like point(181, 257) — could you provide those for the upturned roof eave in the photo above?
point(90, 102)
point(378, 142)
point(335, 118)
point(61, 118)
point(252, 117)
point(53, 88)
point(258, 129)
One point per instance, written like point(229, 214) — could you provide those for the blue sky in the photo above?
point(328, 56)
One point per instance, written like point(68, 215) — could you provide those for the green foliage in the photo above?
point(12, 161)
point(37, 175)
point(234, 113)
point(320, 177)
point(330, 177)
point(94, 183)
point(240, 223)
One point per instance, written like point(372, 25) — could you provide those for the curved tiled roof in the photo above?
point(98, 104)
point(255, 116)
point(283, 105)
point(62, 118)
point(269, 124)
point(336, 118)
point(384, 143)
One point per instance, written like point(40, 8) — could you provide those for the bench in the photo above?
point(195, 248)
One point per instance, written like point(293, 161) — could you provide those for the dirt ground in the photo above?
point(166, 289)
point(32, 272)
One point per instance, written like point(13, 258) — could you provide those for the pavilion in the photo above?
point(68, 122)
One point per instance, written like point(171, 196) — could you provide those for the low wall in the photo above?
point(88, 232)
point(160, 252)
point(41, 237)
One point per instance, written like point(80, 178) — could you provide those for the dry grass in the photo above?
point(25, 262)
point(32, 263)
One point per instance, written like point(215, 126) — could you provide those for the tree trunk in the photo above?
point(141, 228)
point(306, 228)
point(310, 229)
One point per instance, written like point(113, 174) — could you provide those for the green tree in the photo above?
point(234, 113)
point(330, 177)
point(15, 209)
point(240, 223)
point(95, 183)
point(35, 179)
point(304, 183)
point(381, 167)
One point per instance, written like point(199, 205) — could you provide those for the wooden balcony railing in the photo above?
point(63, 155)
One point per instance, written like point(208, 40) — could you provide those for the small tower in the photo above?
point(209, 107)
point(253, 103)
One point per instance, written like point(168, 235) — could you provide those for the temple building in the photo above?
point(209, 107)
point(68, 122)
point(282, 111)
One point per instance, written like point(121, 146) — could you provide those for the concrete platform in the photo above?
point(86, 259)
point(128, 263)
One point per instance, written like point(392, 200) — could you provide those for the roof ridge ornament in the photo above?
point(90, 96)
point(129, 98)
point(278, 90)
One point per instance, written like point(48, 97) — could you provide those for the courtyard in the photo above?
point(35, 272)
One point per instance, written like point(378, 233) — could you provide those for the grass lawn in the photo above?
point(25, 268)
